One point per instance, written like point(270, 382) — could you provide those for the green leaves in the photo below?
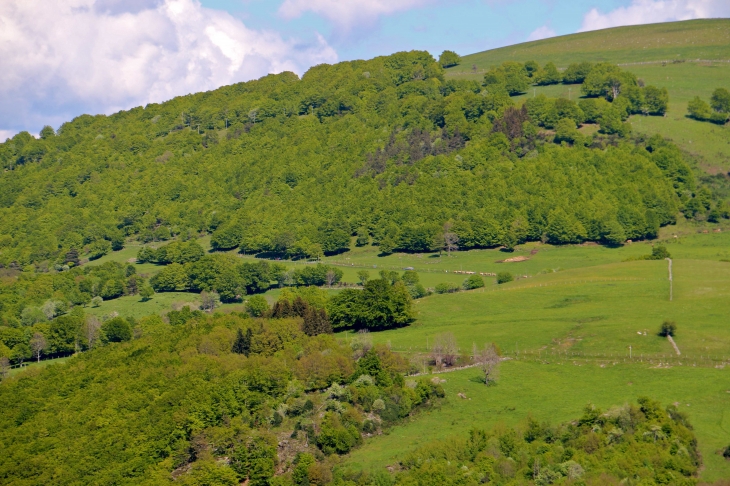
point(380, 305)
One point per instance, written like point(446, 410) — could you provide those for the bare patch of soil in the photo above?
point(514, 259)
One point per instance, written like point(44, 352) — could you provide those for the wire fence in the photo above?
point(559, 357)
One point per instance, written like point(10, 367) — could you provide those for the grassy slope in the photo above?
point(592, 308)
point(594, 304)
point(690, 40)
point(693, 39)
point(557, 392)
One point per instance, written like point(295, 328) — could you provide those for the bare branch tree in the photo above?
point(92, 327)
point(448, 240)
point(331, 277)
point(209, 301)
point(451, 241)
point(445, 349)
point(38, 343)
point(489, 361)
point(361, 343)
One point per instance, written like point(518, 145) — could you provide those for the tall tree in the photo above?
point(38, 344)
point(242, 344)
point(720, 100)
point(489, 361)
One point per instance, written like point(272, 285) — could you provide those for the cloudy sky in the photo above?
point(62, 58)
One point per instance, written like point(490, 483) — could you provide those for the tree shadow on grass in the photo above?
point(480, 379)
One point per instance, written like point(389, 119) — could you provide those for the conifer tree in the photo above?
point(282, 309)
point(242, 344)
point(299, 307)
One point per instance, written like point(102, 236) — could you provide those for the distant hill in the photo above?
point(698, 55)
point(691, 39)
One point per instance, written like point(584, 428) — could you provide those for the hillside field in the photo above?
point(568, 335)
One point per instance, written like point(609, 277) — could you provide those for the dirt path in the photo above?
point(674, 345)
point(671, 284)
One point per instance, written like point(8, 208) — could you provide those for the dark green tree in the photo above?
point(668, 328)
point(504, 277)
point(720, 100)
point(116, 330)
point(242, 344)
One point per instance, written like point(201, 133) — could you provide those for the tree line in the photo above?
point(717, 111)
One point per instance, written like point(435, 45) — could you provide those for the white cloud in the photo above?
point(653, 11)
point(66, 57)
point(6, 134)
point(348, 14)
point(541, 33)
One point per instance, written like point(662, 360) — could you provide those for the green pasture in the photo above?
point(589, 311)
point(557, 392)
point(37, 365)
point(694, 39)
point(568, 335)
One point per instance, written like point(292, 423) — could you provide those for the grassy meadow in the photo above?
point(688, 40)
point(567, 335)
point(557, 392)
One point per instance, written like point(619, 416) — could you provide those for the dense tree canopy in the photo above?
point(200, 402)
point(385, 148)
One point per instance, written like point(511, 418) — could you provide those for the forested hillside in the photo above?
point(385, 149)
point(212, 400)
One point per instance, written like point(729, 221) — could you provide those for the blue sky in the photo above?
point(63, 58)
point(466, 26)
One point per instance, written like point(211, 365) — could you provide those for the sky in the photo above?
point(63, 58)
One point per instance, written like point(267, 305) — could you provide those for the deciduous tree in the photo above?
point(38, 344)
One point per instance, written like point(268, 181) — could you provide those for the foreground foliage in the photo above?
point(632, 444)
point(178, 402)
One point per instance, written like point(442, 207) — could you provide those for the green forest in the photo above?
point(212, 400)
point(387, 150)
point(228, 398)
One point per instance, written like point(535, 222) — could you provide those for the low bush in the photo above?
point(473, 282)
point(446, 288)
point(668, 328)
point(504, 277)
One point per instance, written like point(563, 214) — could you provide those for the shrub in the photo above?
point(116, 330)
point(445, 288)
point(98, 249)
point(726, 452)
point(257, 306)
point(449, 58)
point(668, 328)
point(658, 252)
point(504, 277)
point(473, 282)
